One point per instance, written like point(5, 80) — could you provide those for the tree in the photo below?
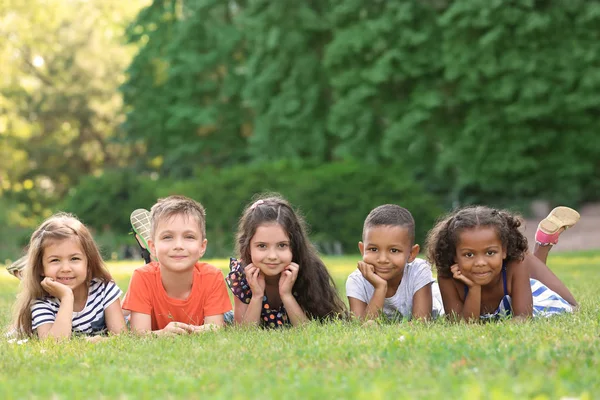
point(183, 92)
point(60, 110)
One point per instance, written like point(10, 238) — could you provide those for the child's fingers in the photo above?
point(362, 267)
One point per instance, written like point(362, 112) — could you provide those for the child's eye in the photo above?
point(491, 252)
point(166, 237)
point(394, 251)
point(75, 259)
point(372, 249)
point(54, 260)
point(468, 255)
point(283, 245)
point(190, 237)
point(261, 246)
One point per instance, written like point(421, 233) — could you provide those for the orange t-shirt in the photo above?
point(147, 295)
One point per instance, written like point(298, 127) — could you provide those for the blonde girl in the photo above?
point(66, 287)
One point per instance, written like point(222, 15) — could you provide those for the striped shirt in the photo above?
point(90, 320)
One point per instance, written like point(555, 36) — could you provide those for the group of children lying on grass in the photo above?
point(483, 266)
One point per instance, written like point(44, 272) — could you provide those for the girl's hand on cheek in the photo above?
point(456, 274)
point(256, 280)
point(287, 280)
point(56, 289)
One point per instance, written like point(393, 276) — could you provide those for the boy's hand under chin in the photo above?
point(368, 272)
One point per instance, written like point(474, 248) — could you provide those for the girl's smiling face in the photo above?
point(66, 263)
point(270, 249)
point(480, 254)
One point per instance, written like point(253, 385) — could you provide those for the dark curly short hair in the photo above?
point(443, 238)
point(391, 215)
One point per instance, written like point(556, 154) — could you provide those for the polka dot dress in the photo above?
point(236, 279)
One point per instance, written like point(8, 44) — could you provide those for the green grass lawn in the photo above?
point(546, 358)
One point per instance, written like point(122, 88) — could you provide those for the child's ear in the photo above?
point(414, 252)
point(151, 247)
point(361, 247)
point(504, 253)
point(203, 248)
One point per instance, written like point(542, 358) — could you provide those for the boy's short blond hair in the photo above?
point(177, 205)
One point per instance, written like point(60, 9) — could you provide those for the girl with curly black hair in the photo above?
point(484, 270)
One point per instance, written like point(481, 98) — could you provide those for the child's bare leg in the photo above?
point(541, 252)
point(540, 271)
point(546, 236)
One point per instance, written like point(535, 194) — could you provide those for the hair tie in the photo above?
point(256, 204)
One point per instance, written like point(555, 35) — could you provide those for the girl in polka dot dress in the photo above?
point(279, 279)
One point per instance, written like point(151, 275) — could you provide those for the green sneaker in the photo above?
point(140, 222)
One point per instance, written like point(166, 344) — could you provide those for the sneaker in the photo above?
point(16, 268)
point(140, 222)
point(554, 224)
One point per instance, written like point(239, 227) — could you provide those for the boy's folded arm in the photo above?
point(375, 306)
point(211, 322)
point(422, 303)
point(357, 307)
point(140, 322)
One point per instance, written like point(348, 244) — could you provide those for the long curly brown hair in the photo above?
point(443, 238)
point(315, 288)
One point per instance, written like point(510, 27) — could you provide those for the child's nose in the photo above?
point(65, 265)
point(382, 257)
point(272, 254)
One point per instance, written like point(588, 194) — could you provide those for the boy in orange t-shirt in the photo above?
point(177, 294)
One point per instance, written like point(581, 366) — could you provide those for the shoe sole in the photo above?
point(18, 265)
point(140, 222)
point(560, 217)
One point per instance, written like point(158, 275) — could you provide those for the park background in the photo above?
point(338, 105)
point(106, 105)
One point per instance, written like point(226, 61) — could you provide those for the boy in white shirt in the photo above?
point(390, 279)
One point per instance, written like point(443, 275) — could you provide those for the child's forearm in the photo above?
point(63, 324)
point(252, 315)
point(294, 311)
point(472, 306)
point(375, 306)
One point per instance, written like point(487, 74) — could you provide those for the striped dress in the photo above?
point(89, 321)
point(546, 302)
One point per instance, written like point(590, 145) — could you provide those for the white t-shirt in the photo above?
point(90, 320)
point(417, 274)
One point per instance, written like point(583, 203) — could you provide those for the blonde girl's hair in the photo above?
point(59, 227)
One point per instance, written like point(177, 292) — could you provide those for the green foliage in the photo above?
point(122, 191)
point(334, 198)
point(59, 105)
point(12, 237)
point(286, 85)
point(486, 101)
point(183, 94)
